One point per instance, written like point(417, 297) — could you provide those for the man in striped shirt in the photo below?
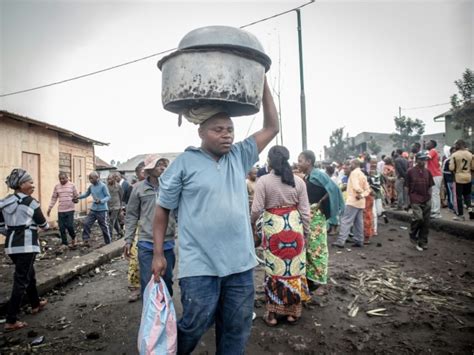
point(64, 192)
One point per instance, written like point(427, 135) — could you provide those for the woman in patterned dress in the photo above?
point(327, 204)
point(281, 198)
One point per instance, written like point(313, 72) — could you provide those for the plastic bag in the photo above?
point(158, 332)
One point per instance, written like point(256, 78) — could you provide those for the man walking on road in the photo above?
point(216, 248)
point(435, 170)
point(419, 184)
point(141, 209)
point(357, 190)
point(65, 192)
point(462, 164)
point(99, 209)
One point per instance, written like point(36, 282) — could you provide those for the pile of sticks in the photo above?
point(389, 283)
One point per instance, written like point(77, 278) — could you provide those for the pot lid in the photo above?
point(224, 36)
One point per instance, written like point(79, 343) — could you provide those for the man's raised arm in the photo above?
point(270, 120)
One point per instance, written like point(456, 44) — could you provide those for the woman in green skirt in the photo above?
point(326, 202)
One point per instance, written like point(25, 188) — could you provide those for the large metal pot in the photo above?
point(215, 65)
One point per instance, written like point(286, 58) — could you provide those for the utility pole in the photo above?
point(399, 112)
point(302, 95)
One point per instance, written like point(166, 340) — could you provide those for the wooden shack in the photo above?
point(44, 150)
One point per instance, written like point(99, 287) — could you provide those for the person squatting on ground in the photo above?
point(140, 212)
point(281, 201)
point(327, 203)
point(357, 190)
point(207, 187)
point(65, 193)
point(115, 205)
point(462, 164)
point(419, 184)
point(20, 218)
point(99, 209)
point(131, 254)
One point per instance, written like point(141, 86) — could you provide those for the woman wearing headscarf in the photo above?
point(281, 201)
point(327, 204)
point(20, 218)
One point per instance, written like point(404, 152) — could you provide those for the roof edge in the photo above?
point(45, 125)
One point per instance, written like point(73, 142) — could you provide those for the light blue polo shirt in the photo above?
point(215, 237)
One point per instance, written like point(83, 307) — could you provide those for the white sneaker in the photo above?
point(417, 247)
point(459, 218)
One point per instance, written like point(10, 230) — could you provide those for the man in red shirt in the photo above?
point(435, 170)
point(419, 183)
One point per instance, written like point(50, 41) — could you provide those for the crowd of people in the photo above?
point(220, 218)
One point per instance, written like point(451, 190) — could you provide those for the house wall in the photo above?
point(77, 159)
point(20, 137)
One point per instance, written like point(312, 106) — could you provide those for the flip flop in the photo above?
point(292, 322)
point(268, 321)
point(40, 307)
point(16, 326)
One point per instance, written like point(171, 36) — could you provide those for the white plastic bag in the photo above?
point(158, 331)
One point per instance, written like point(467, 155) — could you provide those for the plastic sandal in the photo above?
point(16, 326)
point(38, 309)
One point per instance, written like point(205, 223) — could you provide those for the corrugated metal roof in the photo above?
point(443, 115)
point(60, 130)
point(132, 163)
point(103, 165)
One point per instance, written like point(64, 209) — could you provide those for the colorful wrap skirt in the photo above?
point(317, 250)
point(369, 231)
point(133, 268)
point(285, 261)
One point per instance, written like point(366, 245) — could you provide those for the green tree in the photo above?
point(463, 105)
point(408, 131)
point(340, 146)
point(374, 147)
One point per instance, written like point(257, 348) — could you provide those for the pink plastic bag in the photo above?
point(158, 332)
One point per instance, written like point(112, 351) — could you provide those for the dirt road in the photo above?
point(427, 297)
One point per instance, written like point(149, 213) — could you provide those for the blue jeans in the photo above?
point(102, 218)
point(145, 258)
point(227, 301)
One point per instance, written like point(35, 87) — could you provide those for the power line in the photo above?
point(139, 59)
point(421, 107)
point(88, 74)
point(277, 15)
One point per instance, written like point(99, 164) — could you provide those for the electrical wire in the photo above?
point(88, 74)
point(422, 107)
point(139, 59)
point(277, 15)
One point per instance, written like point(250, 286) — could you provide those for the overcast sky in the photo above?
point(362, 59)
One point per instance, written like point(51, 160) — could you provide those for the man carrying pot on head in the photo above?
point(216, 248)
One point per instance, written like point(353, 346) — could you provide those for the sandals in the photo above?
point(15, 326)
point(292, 320)
point(271, 322)
point(40, 307)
